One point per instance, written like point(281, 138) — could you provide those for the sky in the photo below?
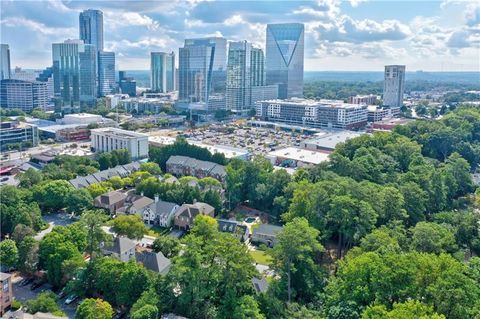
point(354, 35)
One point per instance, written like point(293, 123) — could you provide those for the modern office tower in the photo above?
point(257, 65)
point(91, 28)
point(74, 73)
point(108, 139)
point(394, 85)
point(106, 73)
point(202, 74)
point(330, 114)
point(284, 58)
point(15, 133)
point(5, 62)
point(23, 95)
point(238, 77)
point(162, 72)
point(47, 77)
point(126, 84)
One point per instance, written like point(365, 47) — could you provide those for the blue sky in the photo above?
point(358, 35)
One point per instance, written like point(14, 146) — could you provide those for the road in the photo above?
point(58, 219)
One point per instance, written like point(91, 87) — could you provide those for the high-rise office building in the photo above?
point(91, 28)
point(127, 85)
point(202, 74)
point(47, 77)
point(106, 73)
point(394, 85)
point(284, 58)
point(238, 76)
point(162, 72)
point(74, 73)
point(257, 64)
point(23, 95)
point(5, 62)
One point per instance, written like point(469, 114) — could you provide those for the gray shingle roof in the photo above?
point(119, 170)
point(163, 208)
point(120, 245)
point(154, 261)
point(267, 229)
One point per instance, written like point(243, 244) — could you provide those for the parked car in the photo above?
point(26, 281)
point(70, 299)
point(61, 294)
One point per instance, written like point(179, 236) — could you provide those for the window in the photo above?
point(5, 286)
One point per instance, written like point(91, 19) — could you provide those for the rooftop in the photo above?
point(329, 140)
point(228, 151)
point(300, 154)
point(339, 104)
point(118, 132)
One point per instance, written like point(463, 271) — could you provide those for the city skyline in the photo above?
point(355, 35)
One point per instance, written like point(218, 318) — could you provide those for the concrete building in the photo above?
point(127, 85)
point(227, 151)
point(106, 73)
point(294, 157)
point(108, 139)
point(47, 77)
point(377, 113)
point(310, 113)
point(394, 85)
point(284, 58)
point(363, 99)
point(139, 105)
point(162, 72)
point(24, 75)
point(74, 74)
point(81, 118)
point(5, 69)
point(6, 293)
point(65, 132)
point(19, 134)
point(328, 140)
point(112, 100)
point(202, 74)
point(23, 95)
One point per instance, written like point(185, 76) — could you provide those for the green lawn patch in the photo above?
point(261, 257)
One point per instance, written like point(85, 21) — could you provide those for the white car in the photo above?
point(70, 299)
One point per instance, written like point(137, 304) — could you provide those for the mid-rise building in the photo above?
point(24, 75)
point(126, 84)
point(112, 100)
point(23, 95)
point(394, 85)
point(310, 113)
point(74, 74)
point(377, 113)
point(202, 74)
point(91, 28)
point(81, 118)
point(162, 72)
point(4, 62)
point(6, 293)
point(106, 73)
point(284, 58)
point(363, 99)
point(141, 105)
point(17, 135)
point(47, 77)
point(108, 139)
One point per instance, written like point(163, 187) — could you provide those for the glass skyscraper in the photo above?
point(284, 58)
point(238, 76)
point(5, 62)
point(91, 28)
point(202, 73)
point(162, 72)
point(106, 73)
point(74, 66)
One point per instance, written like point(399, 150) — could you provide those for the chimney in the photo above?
point(156, 198)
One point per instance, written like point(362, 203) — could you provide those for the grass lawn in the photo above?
point(261, 257)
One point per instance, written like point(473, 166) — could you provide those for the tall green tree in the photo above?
point(131, 226)
point(8, 253)
point(94, 309)
point(92, 221)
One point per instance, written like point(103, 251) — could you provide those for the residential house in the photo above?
point(160, 213)
point(101, 176)
point(112, 201)
point(135, 204)
point(185, 215)
point(237, 229)
point(19, 314)
point(266, 234)
point(187, 166)
point(6, 293)
point(122, 248)
point(260, 285)
point(156, 262)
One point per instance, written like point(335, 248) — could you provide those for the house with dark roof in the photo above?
point(156, 262)
point(185, 215)
point(121, 248)
point(266, 234)
point(260, 285)
point(101, 176)
point(160, 213)
point(112, 201)
point(187, 166)
point(135, 204)
point(237, 229)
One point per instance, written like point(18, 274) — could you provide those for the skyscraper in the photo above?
point(202, 73)
point(393, 86)
point(74, 66)
point(91, 28)
point(162, 72)
point(5, 62)
point(257, 64)
point(106, 73)
point(126, 84)
point(238, 76)
point(284, 58)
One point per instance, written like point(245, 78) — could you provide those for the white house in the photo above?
point(159, 212)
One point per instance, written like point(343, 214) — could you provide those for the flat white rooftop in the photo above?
point(300, 154)
point(321, 103)
point(228, 151)
point(111, 131)
point(330, 139)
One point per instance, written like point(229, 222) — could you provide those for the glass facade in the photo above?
point(91, 28)
point(162, 72)
point(5, 69)
point(74, 66)
point(284, 58)
point(106, 73)
point(202, 73)
point(238, 76)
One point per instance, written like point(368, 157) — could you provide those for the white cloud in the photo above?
point(355, 3)
point(18, 22)
point(234, 20)
point(114, 20)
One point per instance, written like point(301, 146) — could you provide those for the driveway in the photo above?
point(57, 219)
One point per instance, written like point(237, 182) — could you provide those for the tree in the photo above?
point(146, 312)
point(379, 240)
point(92, 221)
point(294, 258)
point(105, 161)
point(247, 308)
point(97, 189)
point(94, 309)
point(168, 245)
point(52, 195)
point(45, 302)
point(148, 297)
point(411, 309)
point(30, 178)
point(8, 253)
point(433, 238)
point(79, 200)
point(20, 232)
point(131, 226)
point(151, 167)
point(27, 255)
